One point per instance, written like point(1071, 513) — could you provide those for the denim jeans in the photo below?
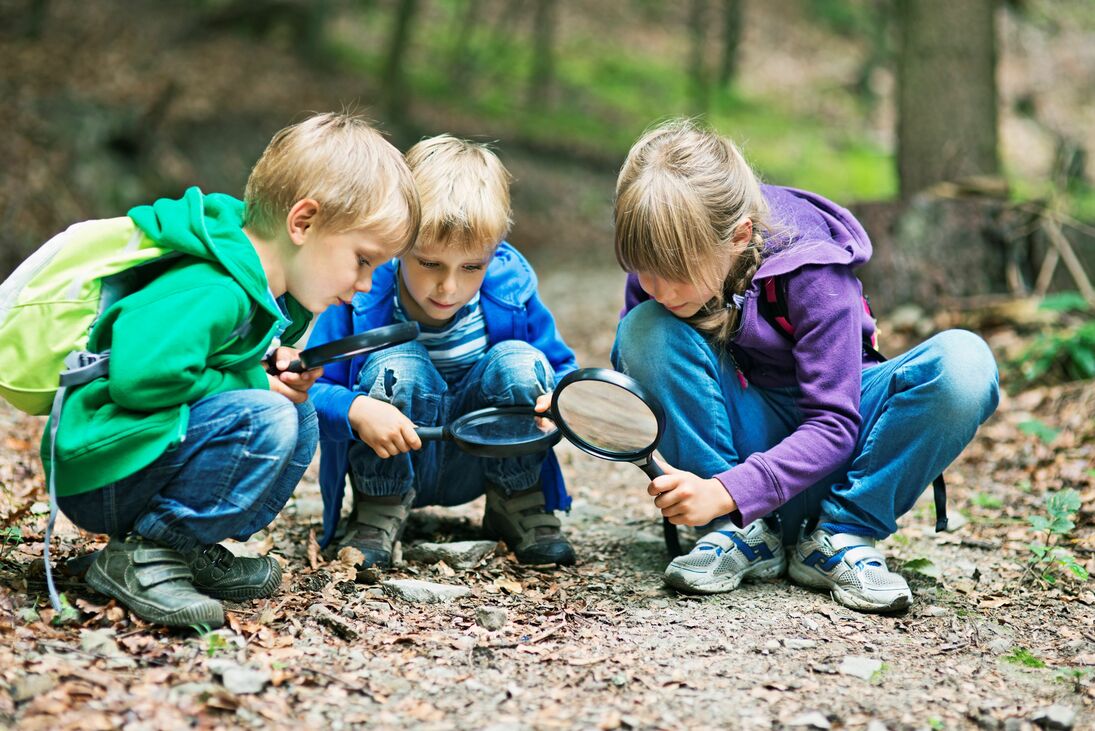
point(919, 410)
point(511, 373)
point(243, 454)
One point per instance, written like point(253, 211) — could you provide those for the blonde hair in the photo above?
point(358, 178)
point(464, 189)
point(682, 193)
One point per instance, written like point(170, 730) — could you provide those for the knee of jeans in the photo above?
point(516, 372)
point(273, 423)
point(967, 376)
point(649, 337)
point(307, 424)
point(400, 374)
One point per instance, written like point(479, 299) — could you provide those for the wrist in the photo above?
point(726, 500)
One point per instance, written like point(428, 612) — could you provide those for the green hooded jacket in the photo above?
point(172, 342)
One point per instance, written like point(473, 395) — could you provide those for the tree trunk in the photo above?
point(543, 53)
point(731, 39)
point(698, 77)
point(395, 84)
point(460, 61)
point(946, 92)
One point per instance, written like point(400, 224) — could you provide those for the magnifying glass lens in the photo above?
point(608, 417)
point(503, 429)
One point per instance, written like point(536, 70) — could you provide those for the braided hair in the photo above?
point(682, 196)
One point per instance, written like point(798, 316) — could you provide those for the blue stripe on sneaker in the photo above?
point(745, 548)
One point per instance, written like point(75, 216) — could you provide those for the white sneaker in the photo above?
point(851, 569)
point(721, 559)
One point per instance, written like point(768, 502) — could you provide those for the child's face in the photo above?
point(683, 299)
point(440, 280)
point(330, 267)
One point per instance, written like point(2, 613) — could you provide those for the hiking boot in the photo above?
point(222, 575)
point(851, 569)
point(534, 535)
point(152, 581)
point(723, 558)
point(374, 526)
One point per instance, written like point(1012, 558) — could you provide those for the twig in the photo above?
point(1072, 263)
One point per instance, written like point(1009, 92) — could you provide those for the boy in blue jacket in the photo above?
point(486, 340)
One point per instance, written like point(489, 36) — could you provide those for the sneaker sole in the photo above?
point(244, 593)
point(680, 580)
point(208, 613)
point(805, 576)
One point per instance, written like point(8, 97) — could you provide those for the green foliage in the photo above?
point(987, 501)
point(68, 614)
point(1071, 301)
point(1023, 656)
point(936, 723)
point(1048, 561)
point(923, 566)
point(1039, 429)
point(1056, 356)
point(10, 537)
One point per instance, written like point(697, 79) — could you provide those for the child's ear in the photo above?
point(743, 234)
point(301, 218)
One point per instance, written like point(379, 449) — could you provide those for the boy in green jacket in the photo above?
point(188, 440)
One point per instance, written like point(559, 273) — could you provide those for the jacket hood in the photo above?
point(510, 280)
point(809, 229)
point(209, 227)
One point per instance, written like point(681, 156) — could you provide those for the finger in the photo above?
point(663, 483)
point(410, 436)
point(668, 499)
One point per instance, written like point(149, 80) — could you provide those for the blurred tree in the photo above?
point(460, 55)
point(698, 76)
point(731, 39)
point(394, 79)
point(543, 53)
point(946, 92)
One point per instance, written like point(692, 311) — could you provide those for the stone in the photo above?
point(875, 725)
point(798, 643)
point(491, 618)
point(333, 622)
point(414, 590)
point(1055, 717)
point(860, 667)
point(460, 555)
point(812, 719)
point(242, 680)
point(31, 686)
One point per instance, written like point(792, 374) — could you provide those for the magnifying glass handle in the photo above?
point(672, 538)
point(651, 468)
point(295, 366)
point(430, 433)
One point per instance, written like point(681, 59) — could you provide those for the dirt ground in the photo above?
point(603, 644)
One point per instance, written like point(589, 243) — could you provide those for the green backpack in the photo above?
point(49, 304)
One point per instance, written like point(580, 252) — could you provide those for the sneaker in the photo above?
point(723, 558)
point(534, 535)
point(851, 569)
point(154, 582)
point(374, 526)
point(222, 575)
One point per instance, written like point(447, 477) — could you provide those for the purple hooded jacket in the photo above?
point(814, 247)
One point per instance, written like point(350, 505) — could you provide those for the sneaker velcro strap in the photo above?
point(148, 576)
point(528, 501)
point(157, 554)
point(855, 554)
point(383, 517)
point(540, 520)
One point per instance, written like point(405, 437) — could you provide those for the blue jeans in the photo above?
point(919, 410)
point(243, 454)
point(511, 373)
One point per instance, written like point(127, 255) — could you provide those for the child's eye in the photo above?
point(473, 267)
point(427, 264)
point(362, 261)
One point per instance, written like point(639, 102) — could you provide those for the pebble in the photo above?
point(414, 590)
point(860, 667)
point(460, 555)
point(491, 618)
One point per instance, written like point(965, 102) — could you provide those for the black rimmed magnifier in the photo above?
point(348, 347)
point(497, 431)
point(610, 415)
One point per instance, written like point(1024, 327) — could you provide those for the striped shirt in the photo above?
point(456, 346)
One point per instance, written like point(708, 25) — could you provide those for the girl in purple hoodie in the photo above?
point(783, 428)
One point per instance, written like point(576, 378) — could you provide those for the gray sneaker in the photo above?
point(221, 574)
point(374, 526)
point(724, 557)
point(851, 569)
point(154, 582)
point(534, 535)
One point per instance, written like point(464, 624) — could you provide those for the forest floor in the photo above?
point(604, 644)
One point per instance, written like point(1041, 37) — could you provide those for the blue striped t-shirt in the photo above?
point(456, 346)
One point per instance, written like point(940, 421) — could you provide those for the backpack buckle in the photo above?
point(83, 367)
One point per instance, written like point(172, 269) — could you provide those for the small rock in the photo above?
point(860, 667)
point(875, 725)
point(460, 555)
point(771, 645)
point(245, 680)
point(813, 719)
point(99, 642)
point(1055, 717)
point(798, 643)
point(492, 618)
point(333, 622)
point(1000, 645)
point(414, 590)
point(31, 686)
point(935, 611)
point(1013, 724)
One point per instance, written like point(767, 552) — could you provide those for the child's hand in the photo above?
point(293, 386)
point(383, 427)
point(687, 499)
point(543, 403)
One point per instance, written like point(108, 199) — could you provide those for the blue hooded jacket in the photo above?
point(512, 311)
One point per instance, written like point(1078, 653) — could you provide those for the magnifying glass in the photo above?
point(348, 347)
point(609, 415)
point(497, 431)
